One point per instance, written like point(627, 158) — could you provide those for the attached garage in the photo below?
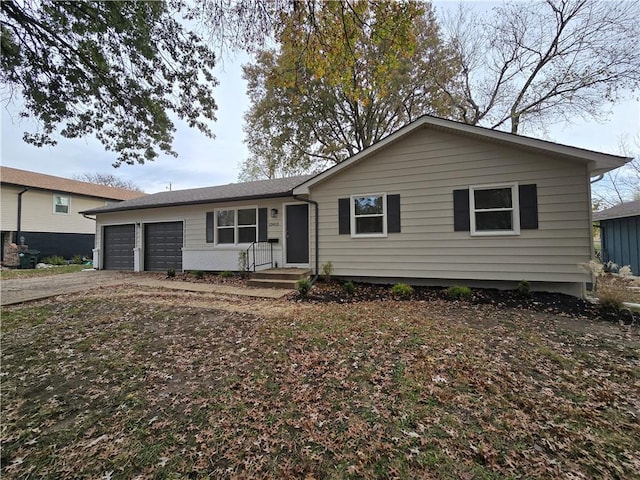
point(163, 246)
point(118, 244)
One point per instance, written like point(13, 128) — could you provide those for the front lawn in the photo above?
point(156, 384)
point(10, 274)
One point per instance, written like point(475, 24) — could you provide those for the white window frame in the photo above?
point(515, 209)
point(254, 225)
point(352, 215)
point(62, 195)
point(235, 226)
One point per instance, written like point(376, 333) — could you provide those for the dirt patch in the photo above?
point(210, 278)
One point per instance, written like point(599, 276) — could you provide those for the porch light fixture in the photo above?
point(274, 213)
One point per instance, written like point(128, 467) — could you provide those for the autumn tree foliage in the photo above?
point(343, 75)
point(116, 70)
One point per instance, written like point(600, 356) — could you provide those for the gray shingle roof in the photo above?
point(628, 209)
point(223, 193)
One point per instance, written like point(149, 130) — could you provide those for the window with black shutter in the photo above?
point(503, 209)
point(369, 215)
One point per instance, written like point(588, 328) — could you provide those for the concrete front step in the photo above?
point(282, 274)
point(278, 278)
point(272, 283)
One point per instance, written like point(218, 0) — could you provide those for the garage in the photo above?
point(118, 244)
point(163, 246)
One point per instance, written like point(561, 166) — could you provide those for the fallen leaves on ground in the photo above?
point(153, 384)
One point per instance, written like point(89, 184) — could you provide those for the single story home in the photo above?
point(43, 209)
point(620, 234)
point(436, 202)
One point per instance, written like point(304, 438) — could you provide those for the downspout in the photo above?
point(19, 223)
point(592, 247)
point(316, 236)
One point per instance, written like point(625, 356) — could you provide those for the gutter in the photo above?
point(598, 178)
point(315, 204)
point(19, 222)
point(100, 210)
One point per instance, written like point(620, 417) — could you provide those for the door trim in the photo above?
point(285, 261)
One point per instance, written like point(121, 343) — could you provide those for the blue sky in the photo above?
point(203, 161)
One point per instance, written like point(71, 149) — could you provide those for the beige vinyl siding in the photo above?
point(197, 253)
point(38, 212)
point(9, 208)
point(425, 168)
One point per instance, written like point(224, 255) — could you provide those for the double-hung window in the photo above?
point(247, 225)
point(226, 226)
point(236, 226)
point(368, 215)
point(61, 203)
point(494, 209)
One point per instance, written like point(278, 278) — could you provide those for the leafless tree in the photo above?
point(109, 180)
point(544, 61)
point(622, 184)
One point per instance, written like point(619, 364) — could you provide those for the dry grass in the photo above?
point(145, 384)
point(10, 274)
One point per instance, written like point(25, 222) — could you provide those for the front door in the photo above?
point(297, 234)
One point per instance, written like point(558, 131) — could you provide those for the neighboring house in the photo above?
point(43, 209)
point(436, 202)
point(620, 234)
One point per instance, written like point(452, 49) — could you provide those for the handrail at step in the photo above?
point(259, 254)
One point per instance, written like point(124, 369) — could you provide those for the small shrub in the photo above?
point(402, 290)
point(243, 261)
point(226, 274)
point(524, 289)
point(77, 260)
point(349, 287)
point(199, 274)
point(303, 286)
point(459, 293)
point(54, 260)
point(612, 293)
point(327, 271)
point(171, 273)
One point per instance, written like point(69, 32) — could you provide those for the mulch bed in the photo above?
point(334, 292)
point(554, 303)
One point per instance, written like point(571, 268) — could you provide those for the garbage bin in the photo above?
point(29, 258)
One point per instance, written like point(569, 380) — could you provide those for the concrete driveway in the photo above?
point(37, 288)
point(26, 289)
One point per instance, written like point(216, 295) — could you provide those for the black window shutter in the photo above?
point(393, 213)
point(209, 227)
point(262, 224)
point(344, 216)
point(461, 220)
point(528, 195)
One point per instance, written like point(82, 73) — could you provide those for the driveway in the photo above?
point(36, 288)
point(26, 289)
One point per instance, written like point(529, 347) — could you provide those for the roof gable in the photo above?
point(629, 209)
point(598, 162)
point(24, 178)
